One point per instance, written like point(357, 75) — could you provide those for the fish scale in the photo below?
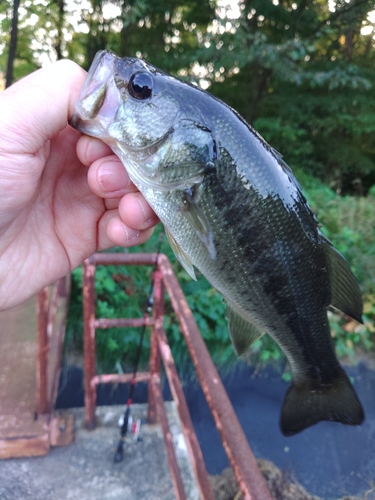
point(233, 209)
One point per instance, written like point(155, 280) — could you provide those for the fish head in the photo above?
point(135, 109)
point(123, 99)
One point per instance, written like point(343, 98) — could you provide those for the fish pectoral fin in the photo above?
point(181, 255)
point(345, 292)
point(241, 331)
point(307, 404)
point(200, 223)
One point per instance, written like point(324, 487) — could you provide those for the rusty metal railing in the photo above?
point(52, 304)
point(251, 483)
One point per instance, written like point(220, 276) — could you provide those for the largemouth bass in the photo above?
point(232, 209)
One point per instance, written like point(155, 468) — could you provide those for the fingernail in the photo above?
point(112, 177)
point(131, 234)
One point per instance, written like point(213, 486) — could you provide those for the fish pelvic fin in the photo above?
point(181, 255)
point(241, 331)
point(307, 404)
point(345, 292)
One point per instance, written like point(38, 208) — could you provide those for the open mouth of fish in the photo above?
point(97, 114)
point(99, 101)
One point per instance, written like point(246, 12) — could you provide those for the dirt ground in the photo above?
point(280, 485)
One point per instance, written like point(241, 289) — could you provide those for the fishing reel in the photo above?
point(133, 427)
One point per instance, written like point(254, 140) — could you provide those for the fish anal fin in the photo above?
point(241, 331)
point(181, 255)
point(345, 292)
point(307, 404)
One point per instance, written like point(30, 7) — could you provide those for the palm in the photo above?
point(56, 228)
point(61, 199)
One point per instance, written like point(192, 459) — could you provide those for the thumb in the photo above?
point(38, 106)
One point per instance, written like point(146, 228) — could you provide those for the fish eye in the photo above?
point(140, 86)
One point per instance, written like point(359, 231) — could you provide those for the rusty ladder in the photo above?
point(251, 483)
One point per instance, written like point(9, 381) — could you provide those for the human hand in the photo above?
point(63, 195)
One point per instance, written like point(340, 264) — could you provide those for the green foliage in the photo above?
point(301, 72)
point(165, 33)
point(294, 141)
point(208, 309)
point(348, 221)
point(328, 134)
point(350, 337)
point(121, 293)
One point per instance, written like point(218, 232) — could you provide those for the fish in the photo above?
point(233, 210)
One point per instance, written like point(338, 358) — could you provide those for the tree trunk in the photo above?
point(12, 45)
point(60, 24)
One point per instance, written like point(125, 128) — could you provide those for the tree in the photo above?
point(301, 71)
point(163, 32)
point(13, 44)
point(59, 45)
point(41, 36)
point(303, 75)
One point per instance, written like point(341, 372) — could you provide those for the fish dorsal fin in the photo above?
point(242, 332)
point(199, 222)
point(345, 292)
point(181, 255)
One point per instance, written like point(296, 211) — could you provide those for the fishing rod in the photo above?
point(119, 455)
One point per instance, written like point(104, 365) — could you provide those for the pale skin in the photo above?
point(63, 196)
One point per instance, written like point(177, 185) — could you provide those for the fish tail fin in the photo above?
point(307, 404)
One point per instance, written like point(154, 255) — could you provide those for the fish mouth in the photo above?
point(96, 112)
point(99, 100)
point(98, 97)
